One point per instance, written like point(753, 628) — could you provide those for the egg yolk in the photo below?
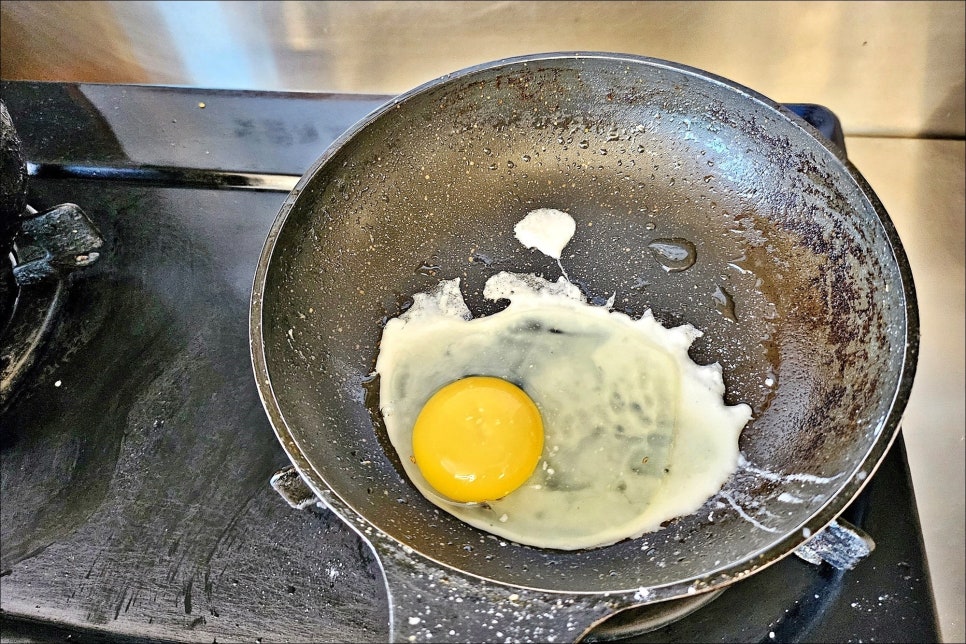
point(478, 439)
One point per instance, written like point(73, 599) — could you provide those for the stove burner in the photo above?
point(48, 248)
point(13, 179)
point(38, 251)
point(32, 317)
point(13, 193)
point(135, 504)
point(8, 292)
point(639, 620)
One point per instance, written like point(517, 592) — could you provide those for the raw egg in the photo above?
point(478, 439)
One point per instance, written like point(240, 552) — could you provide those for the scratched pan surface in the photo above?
point(821, 341)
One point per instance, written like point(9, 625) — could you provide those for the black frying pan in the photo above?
point(429, 187)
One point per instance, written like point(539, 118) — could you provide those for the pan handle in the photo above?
point(290, 486)
point(430, 604)
point(840, 544)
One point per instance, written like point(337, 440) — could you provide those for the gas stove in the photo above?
point(135, 455)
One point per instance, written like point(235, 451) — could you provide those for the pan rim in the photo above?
point(887, 430)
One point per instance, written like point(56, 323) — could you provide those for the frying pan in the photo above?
point(800, 287)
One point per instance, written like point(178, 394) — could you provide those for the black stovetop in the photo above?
point(135, 463)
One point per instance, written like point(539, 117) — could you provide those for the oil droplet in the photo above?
point(526, 158)
point(511, 164)
point(583, 145)
point(724, 303)
point(674, 255)
point(650, 225)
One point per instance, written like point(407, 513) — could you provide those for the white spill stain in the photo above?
point(772, 476)
point(744, 515)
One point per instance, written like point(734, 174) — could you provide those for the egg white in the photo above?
point(635, 432)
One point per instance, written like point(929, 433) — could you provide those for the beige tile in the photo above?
point(921, 184)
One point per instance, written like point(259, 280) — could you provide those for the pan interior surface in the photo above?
point(796, 287)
